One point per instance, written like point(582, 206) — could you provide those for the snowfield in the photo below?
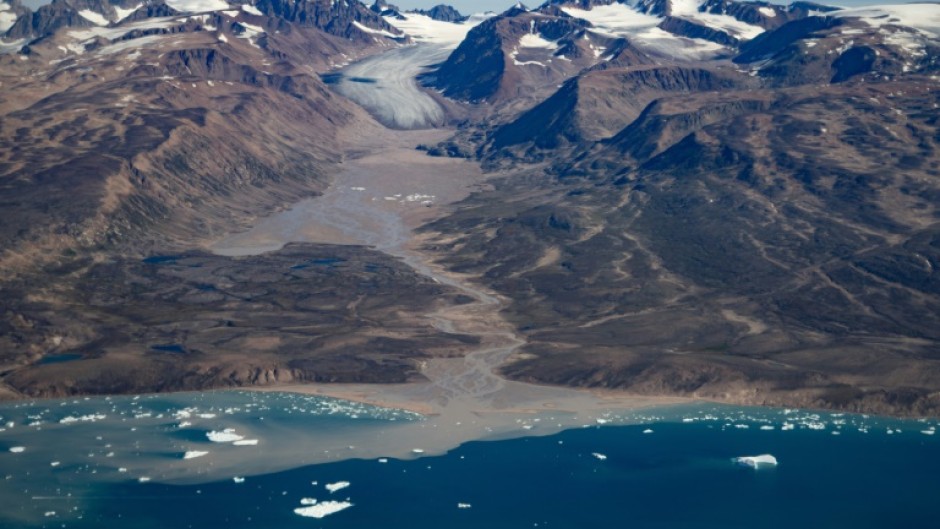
point(620, 20)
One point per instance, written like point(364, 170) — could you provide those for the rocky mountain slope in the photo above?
point(140, 130)
point(760, 230)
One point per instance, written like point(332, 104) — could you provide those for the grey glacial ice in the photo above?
point(385, 85)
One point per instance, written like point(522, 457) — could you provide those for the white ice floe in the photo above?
point(227, 435)
point(647, 431)
point(599, 456)
point(323, 509)
point(55, 464)
point(84, 418)
point(238, 479)
point(928, 432)
point(756, 461)
point(339, 485)
point(143, 479)
point(464, 506)
point(417, 451)
point(193, 454)
point(246, 442)
point(17, 449)
point(383, 460)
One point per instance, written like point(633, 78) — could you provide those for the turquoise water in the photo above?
point(674, 470)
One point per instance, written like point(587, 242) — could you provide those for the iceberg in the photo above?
point(227, 435)
point(756, 461)
point(339, 485)
point(323, 509)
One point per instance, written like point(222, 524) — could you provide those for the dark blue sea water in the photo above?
point(678, 475)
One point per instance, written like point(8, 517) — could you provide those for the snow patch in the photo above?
point(93, 17)
point(621, 20)
point(689, 9)
point(923, 17)
point(373, 31)
point(424, 29)
point(7, 17)
point(197, 6)
point(124, 13)
point(534, 40)
point(252, 10)
point(767, 12)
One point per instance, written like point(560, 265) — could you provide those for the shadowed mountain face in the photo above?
point(520, 52)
